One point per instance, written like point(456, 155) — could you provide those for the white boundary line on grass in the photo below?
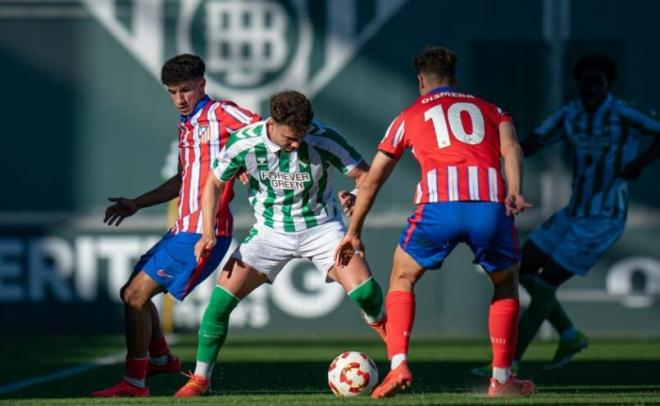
point(53, 376)
point(26, 383)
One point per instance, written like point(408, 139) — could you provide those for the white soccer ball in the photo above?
point(352, 373)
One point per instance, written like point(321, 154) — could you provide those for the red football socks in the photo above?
point(158, 347)
point(503, 329)
point(400, 306)
point(136, 369)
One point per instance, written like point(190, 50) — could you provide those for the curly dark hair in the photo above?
point(182, 68)
point(597, 62)
point(437, 61)
point(293, 109)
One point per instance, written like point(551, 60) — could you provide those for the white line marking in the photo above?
point(65, 373)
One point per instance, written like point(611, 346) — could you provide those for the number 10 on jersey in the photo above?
point(451, 121)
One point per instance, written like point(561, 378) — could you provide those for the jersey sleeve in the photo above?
point(230, 161)
point(645, 124)
point(393, 142)
point(550, 130)
point(503, 116)
point(234, 117)
point(339, 152)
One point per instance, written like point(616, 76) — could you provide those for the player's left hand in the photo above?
point(347, 201)
point(349, 245)
point(516, 204)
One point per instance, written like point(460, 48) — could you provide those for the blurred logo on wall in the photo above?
point(253, 48)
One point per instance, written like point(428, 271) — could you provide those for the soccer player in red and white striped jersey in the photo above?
point(458, 140)
point(455, 138)
point(170, 265)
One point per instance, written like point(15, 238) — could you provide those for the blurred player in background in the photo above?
point(458, 140)
point(170, 265)
point(288, 158)
point(604, 134)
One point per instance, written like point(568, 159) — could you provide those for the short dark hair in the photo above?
point(293, 109)
point(182, 68)
point(437, 61)
point(597, 62)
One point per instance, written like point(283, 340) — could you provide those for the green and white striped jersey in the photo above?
point(289, 191)
point(602, 144)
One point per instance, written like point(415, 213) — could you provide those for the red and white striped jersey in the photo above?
point(455, 138)
point(202, 135)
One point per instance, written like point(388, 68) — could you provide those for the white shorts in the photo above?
point(268, 250)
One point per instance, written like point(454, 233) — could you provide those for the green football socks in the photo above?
point(369, 297)
point(559, 319)
point(213, 329)
point(543, 300)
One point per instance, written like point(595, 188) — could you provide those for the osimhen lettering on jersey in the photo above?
point(289, 191)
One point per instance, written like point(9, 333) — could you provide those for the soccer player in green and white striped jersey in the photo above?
point(289, 159)
point(604, 134)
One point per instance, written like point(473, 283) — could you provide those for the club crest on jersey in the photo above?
point(204, 133)
point(251, 48)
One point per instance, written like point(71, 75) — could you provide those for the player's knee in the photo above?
point(554, 274)
point(505, 283)
point(133, 298)
point(532, 259)
point(402, 280)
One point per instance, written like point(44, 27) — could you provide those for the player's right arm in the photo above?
point(123, 207)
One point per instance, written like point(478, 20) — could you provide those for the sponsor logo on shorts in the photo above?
point(163, 274)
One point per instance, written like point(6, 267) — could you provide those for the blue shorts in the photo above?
point(171, 262)
point(435, 228)
point(577, 243)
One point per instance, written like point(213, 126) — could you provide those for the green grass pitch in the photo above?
point(258, 371)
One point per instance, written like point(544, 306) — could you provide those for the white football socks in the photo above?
point(501, 374)
point(204, 369)
point(397, 359)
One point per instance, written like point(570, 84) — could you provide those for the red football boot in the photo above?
point(196, 386)
point(396, 380)
point(512, 388)
point(121, 389)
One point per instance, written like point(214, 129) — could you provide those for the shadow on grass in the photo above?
point(233, 378)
